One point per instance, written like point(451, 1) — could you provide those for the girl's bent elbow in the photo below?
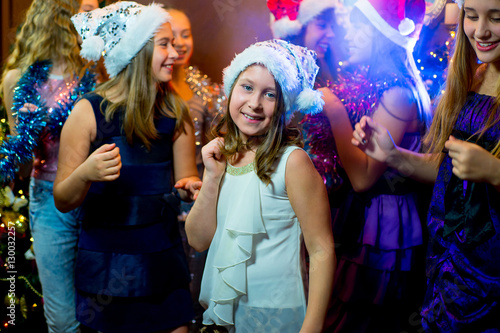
point(60, 203)
point(61, 206)
point(361, 186)
point(198, 246)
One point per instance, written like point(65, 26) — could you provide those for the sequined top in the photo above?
point(205, 107)
point(46, 153)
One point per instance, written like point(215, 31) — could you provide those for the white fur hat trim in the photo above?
point(385, 28)
point(309, 9)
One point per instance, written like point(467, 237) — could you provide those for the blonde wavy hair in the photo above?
point(272, 144)
point(460, 80)
point(146, 99)
point(47, 34)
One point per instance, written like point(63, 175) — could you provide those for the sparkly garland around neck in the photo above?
point(360, 97)
point(18, 150)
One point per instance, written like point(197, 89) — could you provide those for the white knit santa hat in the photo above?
point(293, 67)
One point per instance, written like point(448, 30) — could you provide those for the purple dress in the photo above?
point(463, 265)
point(380, 245)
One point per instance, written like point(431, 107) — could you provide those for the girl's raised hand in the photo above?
point(103, 164)
point(213, 159)
point(373, 139)
point(472, 162)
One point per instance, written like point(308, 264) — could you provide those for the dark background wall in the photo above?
point(11, 14)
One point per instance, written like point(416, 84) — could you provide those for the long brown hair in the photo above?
point(461, 70)
point(144, 98)
point(47, 34)
point(273, 143)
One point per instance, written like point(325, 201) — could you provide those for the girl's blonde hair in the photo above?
point(273, 143)
point(145, 99)
point(461, 70)
point(47, 34)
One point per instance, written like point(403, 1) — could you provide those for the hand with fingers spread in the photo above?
point(213, 159)
point(103, 164)
point(472, 162)
point(373, 139)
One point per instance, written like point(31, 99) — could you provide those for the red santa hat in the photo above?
point(398, 20)
point(290, 16)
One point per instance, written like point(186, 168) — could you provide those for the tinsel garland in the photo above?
point(360, 97)
point(18, 149)
point(320, 146)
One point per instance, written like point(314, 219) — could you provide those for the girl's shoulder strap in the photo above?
point(95, 100)
point(284, 158)
point(289, 150)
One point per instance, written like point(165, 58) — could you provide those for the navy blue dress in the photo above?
point(131, 270)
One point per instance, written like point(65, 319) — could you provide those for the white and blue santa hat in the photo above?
point(118, 32)
point(292, 66)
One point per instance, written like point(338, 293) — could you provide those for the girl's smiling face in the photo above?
point(319, 36)
point(482, 27)
point(253, 101)
point(181, 28)
point(164, 54)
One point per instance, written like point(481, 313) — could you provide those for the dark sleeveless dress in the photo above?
point(463, 260)
point(131, 270)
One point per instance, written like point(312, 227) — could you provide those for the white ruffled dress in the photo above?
point(252, 280)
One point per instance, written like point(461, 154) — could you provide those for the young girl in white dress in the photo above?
point(261, 196)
